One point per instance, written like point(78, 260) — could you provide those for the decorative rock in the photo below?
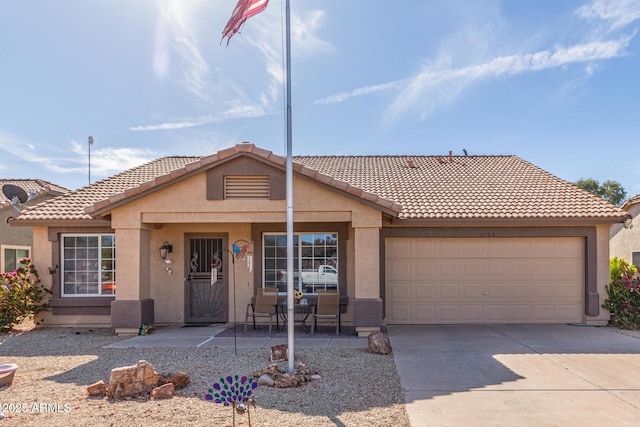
point(130, 381)
point(165, 391)
point(378, 343)
point(315, 377)
point(97, 389)
point(265, 379)
point(178, 379)
point(279, 352)
point(286, 381)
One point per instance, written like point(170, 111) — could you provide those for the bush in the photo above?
point(624, 295)
point(619, 268)
point(21, 296)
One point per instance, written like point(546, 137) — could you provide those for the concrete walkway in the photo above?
point(176, 336)
point(517, 375)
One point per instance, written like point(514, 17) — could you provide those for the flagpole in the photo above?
point(290, 300)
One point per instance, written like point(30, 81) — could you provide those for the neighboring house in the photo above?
point(15, 195)
point(414, 239)
point(625, 238)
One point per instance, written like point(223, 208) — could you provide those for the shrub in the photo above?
point(619, 268)
point(624, 295)
point(21, 296)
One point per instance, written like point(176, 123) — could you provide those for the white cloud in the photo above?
point(177, 27)
point(615, 14)
point(239, 91)
point(104, 161)
point(366, 90)
point(238, 112)
point(432, 88)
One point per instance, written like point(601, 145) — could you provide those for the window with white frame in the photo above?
point(88, 265)
point(315, 261)
point(11, 255)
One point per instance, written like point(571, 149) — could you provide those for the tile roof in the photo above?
point(630, 201)
point(33, 188)
point(411, 187)
point(72, 206)
point(454, 187)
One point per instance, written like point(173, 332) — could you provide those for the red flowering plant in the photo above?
point(624, 295)
point(21, 295)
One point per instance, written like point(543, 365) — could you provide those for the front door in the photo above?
point(207, 287)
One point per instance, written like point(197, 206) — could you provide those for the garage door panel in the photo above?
point(520, 291)
point(448, 270)
point(424, 291)
point(496, 313)
point(401, 290)
point(496, 248)
point(496, 269)
point(471, 248)
point(519, 249)
point(541, 248)
point(448, 291)
point(424, 269)
point(423, 248)
point(544, 291)
point(484, 280)
point(471, 270)
point(493, 291)
point(546, 312)
point(516, 269)
point(425, 313)
point(568, 290)
point(399, 269)
point(568, 249)
point(544, 268)
point(568, 269)
point(448, 248)
point(472, 291)
point(520, 313)
point(401, 248)
point(472, 313)
point(401, 313)
point(449, 313)
point(569, 312)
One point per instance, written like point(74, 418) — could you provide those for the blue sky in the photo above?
point(553, 82)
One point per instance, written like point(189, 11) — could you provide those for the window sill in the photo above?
point(81, 305)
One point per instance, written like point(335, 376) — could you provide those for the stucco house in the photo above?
point(414, 239)
point(15, 195)
point(625, 238)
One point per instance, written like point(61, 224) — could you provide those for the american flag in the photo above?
point(244, 10)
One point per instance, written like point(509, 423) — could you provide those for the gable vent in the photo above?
point(246, 187)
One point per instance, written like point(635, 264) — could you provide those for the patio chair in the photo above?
point(264, 306)
point(328, 307)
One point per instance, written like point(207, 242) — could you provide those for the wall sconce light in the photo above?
point(628, 223)
point(165, 249)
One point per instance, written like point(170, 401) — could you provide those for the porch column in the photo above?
point(367, 314)
point(133, 305)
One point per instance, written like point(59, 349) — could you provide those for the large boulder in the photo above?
point(378, 343)
point(132, 381)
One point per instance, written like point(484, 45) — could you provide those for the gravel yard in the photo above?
point(56, 365)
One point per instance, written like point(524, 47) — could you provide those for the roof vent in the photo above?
point(411, 164)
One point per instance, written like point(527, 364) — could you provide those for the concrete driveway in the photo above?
point(517, 375)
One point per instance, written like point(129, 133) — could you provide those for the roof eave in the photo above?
point(104, 206)
point(13, 222)
point(509, 222)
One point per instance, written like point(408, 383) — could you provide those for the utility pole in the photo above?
point(90, 144)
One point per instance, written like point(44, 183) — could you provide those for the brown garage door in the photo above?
point(484, 280)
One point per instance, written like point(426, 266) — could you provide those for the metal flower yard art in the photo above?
point(236, 392)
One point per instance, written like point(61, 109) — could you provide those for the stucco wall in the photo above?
point(602, 274)
point(172, 213)
point(625, 241)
